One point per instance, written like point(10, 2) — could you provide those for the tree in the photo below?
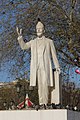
point(9, 93)
point(71, 95)
point(62, 21)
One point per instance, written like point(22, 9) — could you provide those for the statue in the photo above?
point(41, 73)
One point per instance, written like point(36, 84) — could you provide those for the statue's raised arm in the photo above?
point(21, 41)
point(19, 32)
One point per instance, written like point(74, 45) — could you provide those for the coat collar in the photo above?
point(42, 38)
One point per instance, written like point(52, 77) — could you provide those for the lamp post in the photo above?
point(18, 88)
point(24, 89)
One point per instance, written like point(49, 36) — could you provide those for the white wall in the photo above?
point(39, 115)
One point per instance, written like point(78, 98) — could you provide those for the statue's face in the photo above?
point(40, 31)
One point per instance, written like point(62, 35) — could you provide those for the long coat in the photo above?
point(47, 51)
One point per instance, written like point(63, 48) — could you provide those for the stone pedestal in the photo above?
point(40, 115)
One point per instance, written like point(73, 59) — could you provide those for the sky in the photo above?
point(5, 76)
point(73, 76)
point(4, 73)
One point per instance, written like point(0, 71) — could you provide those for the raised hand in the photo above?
point(19, 32)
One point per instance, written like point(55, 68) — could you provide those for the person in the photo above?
point(12, 105)
point(42, 49)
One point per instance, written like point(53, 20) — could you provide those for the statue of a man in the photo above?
point(42, 49)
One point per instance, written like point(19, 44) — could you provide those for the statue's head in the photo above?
point(40, 28)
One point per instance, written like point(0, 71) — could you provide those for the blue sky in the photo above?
point(4, 73)
point(73, 76)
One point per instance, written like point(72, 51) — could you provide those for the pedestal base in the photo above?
point(61, 114)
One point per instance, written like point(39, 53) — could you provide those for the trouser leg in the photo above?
point(42, 87)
